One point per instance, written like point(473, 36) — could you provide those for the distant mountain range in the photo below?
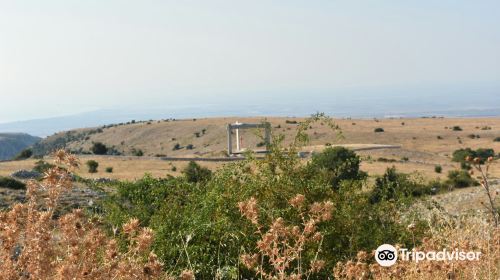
point(13, 143)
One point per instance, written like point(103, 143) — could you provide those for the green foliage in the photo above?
point(340, 164)
point(461, 154)
point(195, 173)
point(10, 183)
point(438, 168)
point(497, 139)
point(137, 152)
point(261, 144)
point(198, 225)
point(92, 165)
point(397, 186)
point(99, 148)
point(109, 169)
point(456, 128)
point(42, 166)
point(460, 179)
point(24, 154)
point(378, 129)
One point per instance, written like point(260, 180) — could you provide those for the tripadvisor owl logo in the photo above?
point(386, 255)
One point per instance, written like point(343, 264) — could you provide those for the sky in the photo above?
point(62, 57)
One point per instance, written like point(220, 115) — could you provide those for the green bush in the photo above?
point(92, 165)
point(461, 154)
point(397, 186)
point(378, 129)
point(195, 173)
point(460, 179)
point(24, 154)
point(456, 128)
point(497, 139)
point(42, 166)
point(438, 168)
point(197, 222)
point(99, 148)
point(109, 169)
point(340, 164)
point(261, 144)
point(137, 152)
point(10, 183)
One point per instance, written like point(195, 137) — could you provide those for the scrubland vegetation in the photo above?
point(274, 218)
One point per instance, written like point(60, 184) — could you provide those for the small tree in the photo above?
point(460, 179)
point(378, 129)
point(438, 168)
point(340, 163)
point(99, 148)
point(24, 154)
point(195, 173)
point(92, 165)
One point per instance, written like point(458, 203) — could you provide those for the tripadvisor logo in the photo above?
point(387, 255)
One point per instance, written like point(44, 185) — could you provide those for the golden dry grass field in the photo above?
point(421, 143)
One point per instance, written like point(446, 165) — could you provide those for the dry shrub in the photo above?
point(280, 247)
point(466, 233)
point(36, 245)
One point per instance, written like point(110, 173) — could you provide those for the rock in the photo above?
point(26, 174)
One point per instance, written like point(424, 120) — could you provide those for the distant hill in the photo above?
point(207, 137)
point(13, 143)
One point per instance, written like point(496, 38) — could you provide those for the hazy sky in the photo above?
point(62, 57)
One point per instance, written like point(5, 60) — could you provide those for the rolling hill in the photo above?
point(12, 143)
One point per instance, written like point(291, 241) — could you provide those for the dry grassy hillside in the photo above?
point(417, 137)
point(422, 142)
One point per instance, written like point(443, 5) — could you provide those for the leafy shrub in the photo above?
point(261, 144)
point(397, 186)
point(461, 155)
point(340, 163)
point(137, 152)
point(42, 166)
point(99, 148)
point(456, 128)
point(383, 159)
point(194, 222)
point(460, 179)
point(92, 165)
point(10, 183)
point(290, 122)
point(195, 173)
point(24, 154)
point(438, 168)
point(497, 139)
point(109, 169)
point(378, 129)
